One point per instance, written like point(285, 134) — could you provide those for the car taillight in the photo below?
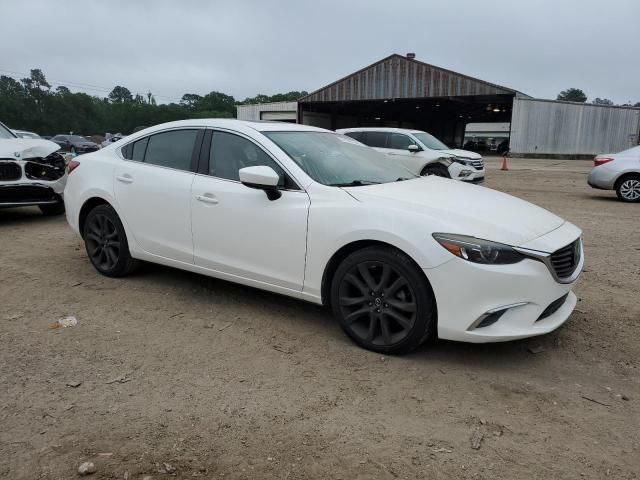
point(72, 165)
point(601, 161)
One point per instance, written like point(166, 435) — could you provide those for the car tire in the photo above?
point(435, 169)
point(106, 243)
point(383, 301)
point(628, 188)
point(52, 209)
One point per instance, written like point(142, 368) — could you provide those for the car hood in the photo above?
point(455, 207)
point(26, 148)
point(463, 153)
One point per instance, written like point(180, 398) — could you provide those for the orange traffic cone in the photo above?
point(504, 163)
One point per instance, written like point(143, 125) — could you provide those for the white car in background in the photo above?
point(619, 172)
point(318, 216)
point(421, 152)
point(32, 173)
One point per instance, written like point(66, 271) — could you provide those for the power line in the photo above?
point(85, 86)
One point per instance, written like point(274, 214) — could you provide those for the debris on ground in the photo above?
point(73, 384)
point(120, 379)
point(225, 326)
point(165, 468)
point(535, 349)
point(70, 321)
point(282, 349)
point(476, 439)
point(596, 401)
point(87, 468)
point(442, 450)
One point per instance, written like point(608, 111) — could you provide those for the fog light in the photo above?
point(490, 319)
point(492, 316)
point(465, 173)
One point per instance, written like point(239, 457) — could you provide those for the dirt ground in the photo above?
point(219, 380)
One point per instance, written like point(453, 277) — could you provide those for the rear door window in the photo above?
point(355, 135)
point(139, 149)
point(375, 139)
point(173, 149)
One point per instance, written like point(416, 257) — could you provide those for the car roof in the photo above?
point(379, 129)
point(260, 126)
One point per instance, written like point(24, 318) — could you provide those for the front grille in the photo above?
point(477, 164)
point(9, 171)
point(553, 307)
point(565, 260)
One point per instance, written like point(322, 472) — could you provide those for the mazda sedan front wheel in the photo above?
point(383, 300)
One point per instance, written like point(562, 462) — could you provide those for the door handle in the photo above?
point(207, 198)
point(125, 178)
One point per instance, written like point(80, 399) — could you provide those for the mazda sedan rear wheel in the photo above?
point(383, 301)
point(106, 242)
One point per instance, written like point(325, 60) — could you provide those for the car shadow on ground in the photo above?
point(13, 216)
point(200, 288)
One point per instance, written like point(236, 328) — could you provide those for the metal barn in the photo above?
point(400, 91)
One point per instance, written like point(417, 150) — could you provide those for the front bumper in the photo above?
point(526, 293)
point(27, 194)
point(466, 173)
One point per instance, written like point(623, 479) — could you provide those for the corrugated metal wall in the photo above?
point(562, 128)
point(252, 112)
point(399, 77)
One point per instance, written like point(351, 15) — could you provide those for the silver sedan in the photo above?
point(619, 172)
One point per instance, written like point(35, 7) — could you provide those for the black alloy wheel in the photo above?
point(106, 242)
point(383, 301)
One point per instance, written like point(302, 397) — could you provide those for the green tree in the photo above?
point(217, 102)
point(572, 95)
point(602, 101)
point(120, 95)
point(190, 100)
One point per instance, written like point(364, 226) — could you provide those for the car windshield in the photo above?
point(77, 139)
point(430, 141)
point(337, 160)
point(5, 133)
point(28, 135)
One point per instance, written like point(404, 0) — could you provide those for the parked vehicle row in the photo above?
point(75, 144)
point(421, 153)
point(319, 216)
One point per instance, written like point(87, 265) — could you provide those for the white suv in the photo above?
point(421, 152)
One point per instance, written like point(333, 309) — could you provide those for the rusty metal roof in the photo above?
point(397, 76)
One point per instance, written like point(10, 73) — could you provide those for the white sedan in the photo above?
point(619, 172)
point(315, 215)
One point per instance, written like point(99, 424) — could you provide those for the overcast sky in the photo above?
point(245, 47)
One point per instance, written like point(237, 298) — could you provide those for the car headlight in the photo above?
point(478, 251)
point(446, 161)
point(463, 161)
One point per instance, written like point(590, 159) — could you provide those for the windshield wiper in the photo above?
point(354, 183)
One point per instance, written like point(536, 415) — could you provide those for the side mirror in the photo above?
point(263, 178)
point(413, 148)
